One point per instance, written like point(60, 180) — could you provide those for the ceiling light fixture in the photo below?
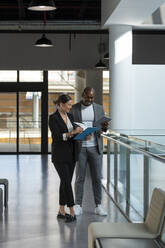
point(42, 5)
point(101, 50)
point(106, 56)
point(43, 41)
point(100, 65)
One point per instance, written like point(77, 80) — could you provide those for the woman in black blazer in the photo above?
point(64, 153)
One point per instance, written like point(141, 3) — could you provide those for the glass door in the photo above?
point(29, 121)
point(8, 122)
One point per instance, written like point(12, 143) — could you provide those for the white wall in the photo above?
point(148, 97)
point(137, 91)
point(17, 52)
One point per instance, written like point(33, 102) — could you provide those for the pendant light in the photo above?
point(42, 5)
point(106, 56)
point(100, 65)
point(44, 41)
point(101, 49)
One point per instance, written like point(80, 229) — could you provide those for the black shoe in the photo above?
point(70, 218)
point(61, 216)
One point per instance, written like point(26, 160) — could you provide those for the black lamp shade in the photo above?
point(106, 56)
point(43, 42)
point(100, 65)
point(42, 5)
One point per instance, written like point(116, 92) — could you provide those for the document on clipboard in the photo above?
point(87, 131)
point(102, 120)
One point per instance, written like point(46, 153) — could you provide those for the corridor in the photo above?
point(30, 220)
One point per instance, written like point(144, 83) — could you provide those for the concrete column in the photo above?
point(121, 86)
point(94, 78)
point(80, 84)
point(35, 110)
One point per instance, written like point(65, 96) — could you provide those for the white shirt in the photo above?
point(69, 126)
point(87, 114)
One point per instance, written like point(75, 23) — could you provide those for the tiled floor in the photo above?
point(30, 220)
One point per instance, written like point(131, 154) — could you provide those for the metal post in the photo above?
point(115, 166)
point(146, 186)
point(128, 176)
point(146, 182)
point(108, 164)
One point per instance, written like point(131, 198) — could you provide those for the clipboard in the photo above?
point(87, 131)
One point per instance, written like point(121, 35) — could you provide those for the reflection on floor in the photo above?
point(30, 220)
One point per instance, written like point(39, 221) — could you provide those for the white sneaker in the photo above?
point(78, 210)
point(100, 211)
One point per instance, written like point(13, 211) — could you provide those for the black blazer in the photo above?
point(62, 151)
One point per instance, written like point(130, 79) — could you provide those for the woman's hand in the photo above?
point(74, 131)
point(77, 130)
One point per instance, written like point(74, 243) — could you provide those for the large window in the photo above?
point(8, 76)
point(31, 76)
point(28, 99)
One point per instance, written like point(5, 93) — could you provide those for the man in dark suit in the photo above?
point(89, 150)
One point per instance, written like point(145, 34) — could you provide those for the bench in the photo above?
point(129, 243)
point(5, 183)
point(150, 229)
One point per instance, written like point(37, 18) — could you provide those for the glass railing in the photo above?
point(134, 167)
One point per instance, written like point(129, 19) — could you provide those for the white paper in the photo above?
point(82, 125)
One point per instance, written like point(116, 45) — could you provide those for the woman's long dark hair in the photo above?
point(62, 99)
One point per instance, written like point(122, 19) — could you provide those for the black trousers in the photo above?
point(65, 172)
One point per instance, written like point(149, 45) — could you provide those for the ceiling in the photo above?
point(68, 12)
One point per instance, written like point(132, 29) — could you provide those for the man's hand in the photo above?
point(88, 137)
point(104, 126)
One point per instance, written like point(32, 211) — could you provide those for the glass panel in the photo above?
point(8, 122)
point(122, 171)
point(136, 181)
point(157, 175)
point(61, 81)
point(8, 76)
point(31, 76)
point(30, 122)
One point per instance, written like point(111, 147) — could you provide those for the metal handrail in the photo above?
point(123, 136)
point(146, 153)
